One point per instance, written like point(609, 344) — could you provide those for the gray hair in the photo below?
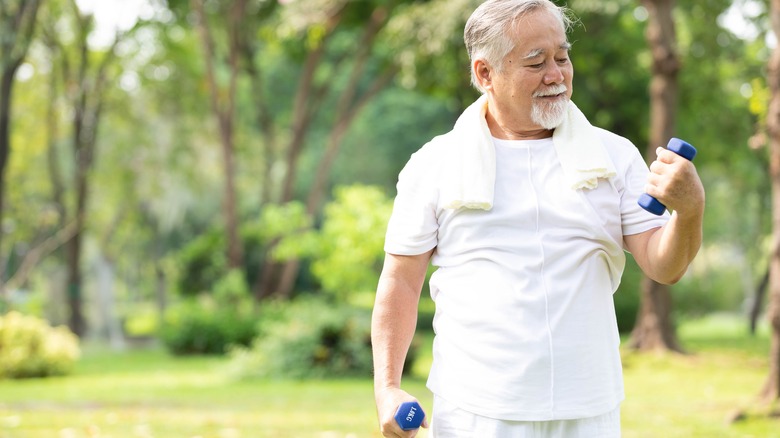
point(488, 31)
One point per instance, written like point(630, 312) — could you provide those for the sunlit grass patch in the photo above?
point(148, 393)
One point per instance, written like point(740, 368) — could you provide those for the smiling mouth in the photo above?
point(552, 92)
point(552, 96)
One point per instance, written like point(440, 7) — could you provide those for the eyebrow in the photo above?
point(537, 52)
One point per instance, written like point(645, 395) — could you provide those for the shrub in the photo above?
point(313, 338)
point(200, 263)
point(209, 324)
point(347, 252)
point(30, 347)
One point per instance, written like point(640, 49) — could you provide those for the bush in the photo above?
point(196, 326)
point(30, 347)
point(209, 324)
point(348, 250)
point(312, 338)
point(200, 263)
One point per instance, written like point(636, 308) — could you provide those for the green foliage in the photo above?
point(310, 338)
point(608, 35)
point(627, 298)
point(349, 248)
point(210, 324)
point(716, 282)
point(155, 190)
point(278, 221)
point(201, 263)
point(383, 136)
point(30, 347)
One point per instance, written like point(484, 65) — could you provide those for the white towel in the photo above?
point(470, 168)
point(582, 154)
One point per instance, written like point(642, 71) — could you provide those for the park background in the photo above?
point(194, 196)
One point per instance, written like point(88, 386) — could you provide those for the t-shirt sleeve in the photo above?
point(635, 219)
point(413, 226)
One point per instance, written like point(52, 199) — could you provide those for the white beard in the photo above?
point(549, 115)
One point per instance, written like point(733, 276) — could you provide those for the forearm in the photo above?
point(395, 316)
point(673, 247)
point(392, 328)
point(665, 253)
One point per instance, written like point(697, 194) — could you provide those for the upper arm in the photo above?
point(637, 245)
point(404, 271)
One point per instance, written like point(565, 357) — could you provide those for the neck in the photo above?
point(500, 129)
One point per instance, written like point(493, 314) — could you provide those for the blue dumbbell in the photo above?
point(409, 415)
point(680, 148)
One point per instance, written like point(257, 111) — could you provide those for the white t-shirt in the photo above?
point(525, 323)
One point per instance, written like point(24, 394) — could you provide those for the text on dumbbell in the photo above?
point(410, 416)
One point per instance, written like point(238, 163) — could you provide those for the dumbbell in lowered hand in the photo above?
point(409, 415)
point(682, 149)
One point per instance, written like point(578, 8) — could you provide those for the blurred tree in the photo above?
point(256, 38)
point(771, 391)
point(223, 104)
point(85, 73)
point(654, 329)
point(327, 26)
point(17, 23)
point(348, 58)
point(613, 98)
point(155, 189)
point(56, 233)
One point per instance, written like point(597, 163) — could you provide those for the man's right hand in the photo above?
point(387, 402)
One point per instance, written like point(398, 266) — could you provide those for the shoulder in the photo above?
point(438, 147)
point(616, 144)
point(431, 156)
point(621, 150)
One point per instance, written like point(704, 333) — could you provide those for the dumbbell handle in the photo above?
point(682, 149)
point(409, 415)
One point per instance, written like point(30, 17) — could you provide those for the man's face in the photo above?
point(533, 89)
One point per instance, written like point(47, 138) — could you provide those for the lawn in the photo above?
point(147, 393)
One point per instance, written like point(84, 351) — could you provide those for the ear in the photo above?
point(483, 72)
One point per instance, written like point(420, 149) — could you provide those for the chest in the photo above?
point(532, 201)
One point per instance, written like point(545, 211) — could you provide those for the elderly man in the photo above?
point(527, 211)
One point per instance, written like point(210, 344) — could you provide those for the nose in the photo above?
point(553, 74)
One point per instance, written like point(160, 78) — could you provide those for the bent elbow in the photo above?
point(669, 279)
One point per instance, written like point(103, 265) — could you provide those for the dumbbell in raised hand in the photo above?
point(409, 415)
point(682, 149)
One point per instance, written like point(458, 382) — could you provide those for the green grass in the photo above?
point(694, 395)
point(147, 393)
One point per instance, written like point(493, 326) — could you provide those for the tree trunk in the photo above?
point(76, 321)
point(87, 101)
point(265, 122)
point(654, 329)
point(6, 86)
point(758, 298)
point(16, 31)
point(223, 106)
point(83, 157)
point(771, 391)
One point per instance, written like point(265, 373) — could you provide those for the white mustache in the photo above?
point(552, 91)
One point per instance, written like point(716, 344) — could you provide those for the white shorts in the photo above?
point(449, 421)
